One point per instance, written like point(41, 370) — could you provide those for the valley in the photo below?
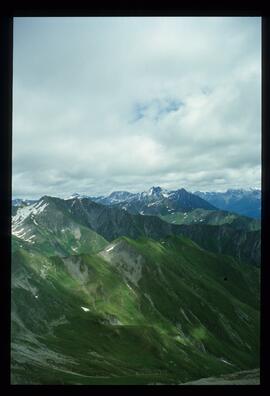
point(104, 296)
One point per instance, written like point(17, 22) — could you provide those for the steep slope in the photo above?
point(111, 223)
point(56, 226)
point(138, 312)
point(242, 245)
point(244, 202)
point(114, 198)
point(49, 226)
point(214, 217)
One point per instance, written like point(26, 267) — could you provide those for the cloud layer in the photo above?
point(104, 104)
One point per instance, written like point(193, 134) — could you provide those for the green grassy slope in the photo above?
point(213, 217)
point(153, 312)
point(56, 231)
point(66, 227)
point(111, 223)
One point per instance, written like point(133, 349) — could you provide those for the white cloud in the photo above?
point(103, 104)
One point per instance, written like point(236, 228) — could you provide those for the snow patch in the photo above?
point(111, 248)
point(29, 239)
point(18, 233)
point(21, 234)
point(85, 309)
point(24, 212)
point(150, 300)
point(185, 315)
point(225, 361)
point(77, 233)
point(131, 288)
point(40, 207)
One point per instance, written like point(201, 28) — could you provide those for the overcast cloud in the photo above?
point(103, 104)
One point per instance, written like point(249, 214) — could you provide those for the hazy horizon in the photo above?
point(36, 197)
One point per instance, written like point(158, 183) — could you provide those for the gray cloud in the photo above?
point(102, 104)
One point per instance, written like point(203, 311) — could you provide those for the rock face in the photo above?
point(49, 227)
point(125, 259)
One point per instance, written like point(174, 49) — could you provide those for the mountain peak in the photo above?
point(45, 198)
point(181, 191)
point(76, 196)
point(155, 190)
point(120, 194)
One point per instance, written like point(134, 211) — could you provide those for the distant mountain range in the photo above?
point(20, 202)
point(159, 201)
point(164, 202)
point(243, 202)
point(156, 201)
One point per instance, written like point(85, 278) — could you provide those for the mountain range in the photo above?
point(156, 201)
point(243, 202)
point(76, 225)
point(164, 202)
point(104, 294)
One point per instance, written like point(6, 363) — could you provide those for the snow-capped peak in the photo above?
point(155, 191)
point(26, 211)
point(120, 196)
point(76, 195)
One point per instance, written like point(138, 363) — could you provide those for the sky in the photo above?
point(102, 104)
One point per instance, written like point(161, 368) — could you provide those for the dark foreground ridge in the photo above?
point(248, 377)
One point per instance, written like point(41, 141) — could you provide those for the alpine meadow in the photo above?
point(136, 201)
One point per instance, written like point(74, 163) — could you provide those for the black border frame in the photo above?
point(6, 74)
